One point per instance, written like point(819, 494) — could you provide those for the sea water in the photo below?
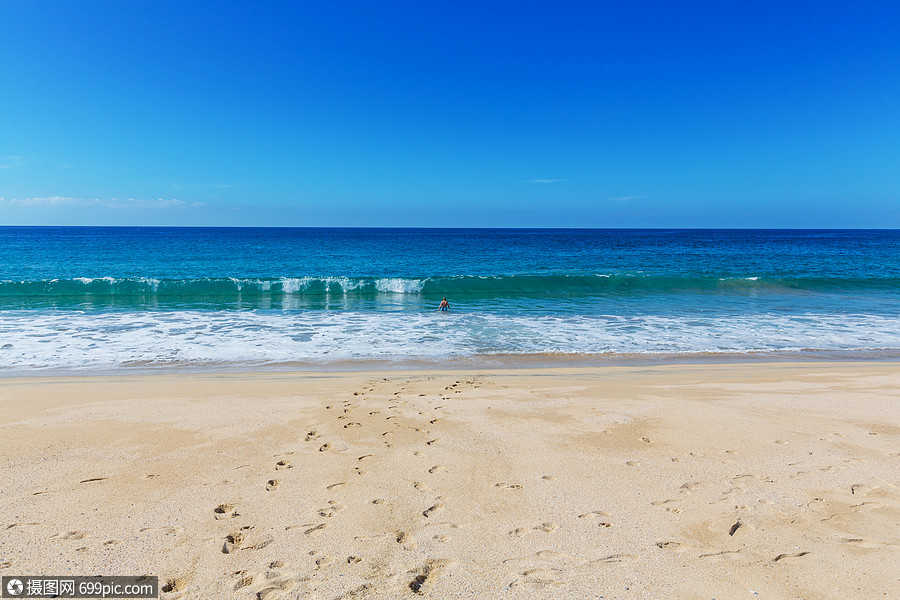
point(93, 298)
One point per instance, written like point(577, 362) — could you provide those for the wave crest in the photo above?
point(228, 289)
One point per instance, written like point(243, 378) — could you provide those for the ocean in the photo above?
point(76, 299)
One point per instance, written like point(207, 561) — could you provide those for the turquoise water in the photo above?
point(77, 298)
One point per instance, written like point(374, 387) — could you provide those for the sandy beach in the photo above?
point(765, 480)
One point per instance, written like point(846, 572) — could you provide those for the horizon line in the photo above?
point(433, 227)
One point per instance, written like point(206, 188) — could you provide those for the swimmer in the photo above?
point(444, 305)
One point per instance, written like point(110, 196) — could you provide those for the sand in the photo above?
point(765, 480)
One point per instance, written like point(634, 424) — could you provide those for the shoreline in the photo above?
point(482, 362)
point(651, 481)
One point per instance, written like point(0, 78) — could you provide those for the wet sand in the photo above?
point(763, 480)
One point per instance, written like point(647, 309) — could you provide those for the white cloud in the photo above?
point(543, 180)
point(52, 201)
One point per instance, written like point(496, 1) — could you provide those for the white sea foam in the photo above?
point(398, 285)
point(59, 339)
point(290, 285)
point(340, 284)
point(263, 285)
point(90, 280)
point(151, 282)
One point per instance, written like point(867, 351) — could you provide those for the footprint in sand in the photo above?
point(224, 511)
point(405, 540)
point(245, 578)
point(615, 559)
point(542, 576)
point(332, 509)
point(325, 447)
point(313, 434)
point(722, 555)
point(71, 535)
point(334, 486)
point(599, 515)
point(508, 486)
point(272, 485)
point(259, 545)
point(92, 479)
point(164, 530)
point(594, 514)
point(434, 509)
point(428, 575)
point(830, 468)
point(669, 545)
point(546, 527)
point(689, 486)
point(275, 590)
point(436, 468)
point(324, 560)
point(421, 487)
point(432, 442)
point(316, 529)
point(784, 556)
point(232, 543)
point(670, 505)
point(174, 585)
point(282, 464)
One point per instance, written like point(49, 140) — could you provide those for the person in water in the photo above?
point(445, 305)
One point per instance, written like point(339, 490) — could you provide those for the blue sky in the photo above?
point(624, 114)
